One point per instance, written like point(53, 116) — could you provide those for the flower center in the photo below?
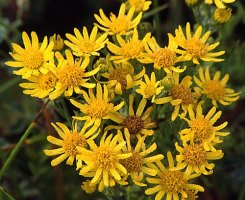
point(132, 49)
point(164, 57)
point(120, 76)
point(104, 157)
point(134, 124)
point(172, 181)
point(71, 141)
point(222, 15)
point(98, 108)
point(87, 46)
point(33, 59)
point(214, 90)
point(182, 92)
point(47, 81)
point(139, 4)
point(191, 195)
point(195, 47)
point(195, 154)
point(202, 129)
point(133, 163)
point(71, 75)
point(150, 91)
point(120, 24)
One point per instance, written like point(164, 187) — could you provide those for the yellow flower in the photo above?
point(215, 89)
point(58, 42)
point(201, 128)
point(70, 140)
point(97, 106)
point(194, 47)
point(163, 58)
point(195, 158)
point(87, 187)
point(171, 183)
point(132, 48)
point(136, 123)
point(180, 96)
point(222, 15)
point(150, 87)
point(34, 58)
point(191, 195)
point(71, 75)
point(140, 5)
point(122, 25)
point(85, 45)
point(138, 164)
point(191, 2)
point(103, 161)
point(219, 3)
point(121, 76)
point(40, 86)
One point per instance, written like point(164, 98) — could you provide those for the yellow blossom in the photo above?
point(219, 3)
point(103, 161)
point(34, 58)
point(85, 45)
point(194, 47)
point(137, 123)
point(140, 5)
point(97, 107)
point(58, 42)
point(222, 15)
point(170, 183)
point(215, 89)
point(128, 49)
point(191, 2)
point(87, 187)
point(71, 75)
point(150, 87)
point(123, 24)
point(70, 140)
point(201, 129)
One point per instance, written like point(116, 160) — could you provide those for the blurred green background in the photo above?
point(30, 176)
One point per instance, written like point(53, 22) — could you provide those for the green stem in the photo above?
point(21, 141)
point(9, 84)
point(157, 20)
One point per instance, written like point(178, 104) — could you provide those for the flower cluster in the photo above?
point(117, 83)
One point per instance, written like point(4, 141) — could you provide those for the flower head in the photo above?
point(194, 47)
point(85, 45)
point(87, 187)
point(219, 3)
point(137, 123)
point(40, 86)
point(97, 106)
point(171, 183)
point(34, 59)
point(150, 87)
point(138, 163)
point(222, 15)
point(71, 75)
point(70, 140)
point(132, 48)
point(215, 89)
point(103, 161)
point(201, 128)
point(123, 24)
point(58, 42)
point(140, 5)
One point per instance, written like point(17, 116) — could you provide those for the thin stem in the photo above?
point(157, 20)
point(21, 141)
point(9, 84)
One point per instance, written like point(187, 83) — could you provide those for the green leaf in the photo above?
point(4, 195)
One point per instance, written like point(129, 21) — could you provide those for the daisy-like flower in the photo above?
point(150, 87)
point(70, 140)
point(219, 3)
point(162, 58)
point(195, 158)
point(97, 106)
point(71, 75)
point(214, 88)
point(121, 76)
point(128, 49)
point(87, 187)
point(138, 164)
point(137, 123)
point(191, 195)
point(40, 86)
point(140, 5)
point(123, 24)
point(170, 183)
point(34, 58)
point(58, 42)
point(194, 47)
point(180, 96)
point(85, 45)
point(201, 128)
point(222, 15)
point(103, 161)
